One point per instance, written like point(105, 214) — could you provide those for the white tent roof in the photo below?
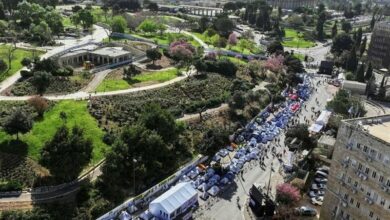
point(323, 118)
point(315, 128)
point(172, 199)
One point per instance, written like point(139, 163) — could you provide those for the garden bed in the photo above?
point(293, 39)
point(180, 98)
point(58, 85)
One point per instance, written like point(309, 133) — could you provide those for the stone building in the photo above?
point(379, 50)
point(359, 180)
point(292, 4)
point(99, 56)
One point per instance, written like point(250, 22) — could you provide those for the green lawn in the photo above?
point(67, 22)
point(110, 84)
point(42, 131)
point(18, 55)
point(235, 60)
point(301, 57)
point(295, 41)
point(167, 38)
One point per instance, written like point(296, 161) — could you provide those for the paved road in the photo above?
point(98, 35)
point(225, 206)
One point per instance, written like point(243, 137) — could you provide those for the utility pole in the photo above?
point(269, 180)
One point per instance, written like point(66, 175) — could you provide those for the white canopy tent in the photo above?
point(323, 118)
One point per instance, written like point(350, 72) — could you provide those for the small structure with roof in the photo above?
point(176, 203)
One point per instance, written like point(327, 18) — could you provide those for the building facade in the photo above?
point(292, 4)
point(379, 50)
point(359, 180)
point(99, 56)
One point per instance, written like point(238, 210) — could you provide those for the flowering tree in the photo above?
point(275, 63)
point(211, 55)
point(182, 51)
point(232, 40)
point(287, 194)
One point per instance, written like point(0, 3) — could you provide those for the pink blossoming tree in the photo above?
point(275, 63)
point(287, 194)
point(232, 40)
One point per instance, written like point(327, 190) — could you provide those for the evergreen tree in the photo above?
point(371, 87)
point(372, 23)
point(352, 61)
point(18, 122)
point(368, 72)
point(363, 46)
point(382, 89)
point(359, 35)
point(334, 29)
point(360, 73)
point(320, 25)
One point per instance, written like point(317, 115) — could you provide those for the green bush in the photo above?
point(10, 186)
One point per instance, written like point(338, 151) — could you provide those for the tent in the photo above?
point(224, 181)
point(146, 215)
point(125, 216)
point(315, 128)
point(323, 118)
point(132, 208)
point(213, 191)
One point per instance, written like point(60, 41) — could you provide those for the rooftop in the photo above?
point(110, 51)
point(377, 126)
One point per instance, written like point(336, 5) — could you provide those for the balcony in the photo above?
point(349, 146)
point(385, 188)
point(361, 175)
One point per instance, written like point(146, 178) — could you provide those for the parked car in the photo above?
point(317, 200)
point(312, 194)
point(321, 180)
point(305, 211)
point(321, 174)
point(324, 169)
point(318, 186)
point(321, 192)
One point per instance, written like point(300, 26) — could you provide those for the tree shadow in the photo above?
point(153, 66)
point(14, 146)
point(228, 191)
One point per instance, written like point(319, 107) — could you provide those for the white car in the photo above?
point(321, 180)
point(317, 200)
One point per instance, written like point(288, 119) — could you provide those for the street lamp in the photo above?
point(269, 180)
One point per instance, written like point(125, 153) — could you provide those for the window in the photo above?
point(377, 218)
point(345, 196)
point(373, 152)
point(349, 180)
point(360, 166)
point(373, 174)
point(381, 178)
point(351, 201)
point(357, 204)
point(358, 146)
point(379, 156)
point(355, 184)
point(383, 201)
point(367, 170)
point(371, 214)
point(365, 149)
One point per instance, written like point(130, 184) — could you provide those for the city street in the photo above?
point(225, 205)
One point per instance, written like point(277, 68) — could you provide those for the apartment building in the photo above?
point(292, 4)
point(359, 180)
point(379, 50)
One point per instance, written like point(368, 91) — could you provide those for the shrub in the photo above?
point(11, 185)
point(26, 73)
point(287, 194)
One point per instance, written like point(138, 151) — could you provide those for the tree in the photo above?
point(232, 40)
point(363, 46)
point(223, 25)
point(153, 54)
point(148, 26)
point(275, 63)
point(182, 51)
point(203, 23)
point(352, 61)
point(382, 89)
point(368, 72)
point(346, 26)
point(359, 35)
point(320, 25)
point(54, 21)
point(41, 33)
point(287, 194)
point(3, 66)
point(67, 153)
point(118, 24)
point(334, 29)
point(26, 61)
point(105, 10)
point(200, 66)
point(346, 105)
point(83, 17)
point(39, 104)
point(41, 80)
point(373, 20)
point(360, 73)
point(341, 42)
point(153, 6)
point(18, 122)
point(301, 133)
point(161, 28)
point(245, 44)
point(275, 47)
point(230, 6)
point(371, 87)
